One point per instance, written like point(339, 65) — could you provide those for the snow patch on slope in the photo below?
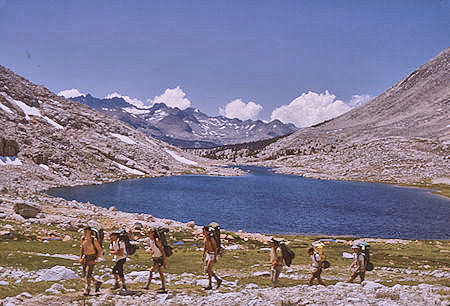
point(129, 170)
point(5, 108)
point(136, 111)
point(30, 111)
point(181, 159)
point(124, 138)
point(10, 161)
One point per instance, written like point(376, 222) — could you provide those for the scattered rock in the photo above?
point(112, 208)
point(27, 210)
point(190, 224)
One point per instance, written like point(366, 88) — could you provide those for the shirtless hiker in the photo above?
point(210, 256)
point(91, 250)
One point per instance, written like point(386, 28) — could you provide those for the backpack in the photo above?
point(288, 254)
point(160, 233)
point(99, 234)
point(364, 249)
point(129, 248)
point(319, 249)
point(214, 230)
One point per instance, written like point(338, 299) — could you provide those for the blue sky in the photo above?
point(268, 52)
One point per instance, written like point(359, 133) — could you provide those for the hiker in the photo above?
point(276, 261)
point(91, 251)
point(210, 256)
point(316, 267)
point(359, 263)
point(158, 258)
point(118, 249)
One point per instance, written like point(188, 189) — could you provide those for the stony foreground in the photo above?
point(369, 293)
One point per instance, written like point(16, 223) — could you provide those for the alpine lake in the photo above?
point(266, 202)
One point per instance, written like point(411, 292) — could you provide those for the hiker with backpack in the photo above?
point(276, 261)
point(156, 249)
point(359, 263)
point(316, 267)
point(91, 251)
point(118, 249)
point(210, 252)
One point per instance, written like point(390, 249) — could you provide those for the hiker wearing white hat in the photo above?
point(358, 263)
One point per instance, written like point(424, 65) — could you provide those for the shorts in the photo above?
point(88, 265)
point(158, 261)
point(118, 267)
point(317, 273)
point(209, 257)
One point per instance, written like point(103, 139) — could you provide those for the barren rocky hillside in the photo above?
point(403, 135)
point(46, 140)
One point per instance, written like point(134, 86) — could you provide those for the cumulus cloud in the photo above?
point(241, 110)
point(310, 108)
point(133, 101)
point(175, 97)
point(71, 93)
point(358, 100)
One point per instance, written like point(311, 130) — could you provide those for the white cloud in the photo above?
point(71, 93)
point(310, 108)
point(241, 110)
point(133, 101)
point(358, 100)
point(175, 97)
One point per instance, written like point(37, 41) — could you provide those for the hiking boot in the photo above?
point(219, 282)
point(161, 290)
point(116, 286)
point(124, 287)
point(97, 286)
point(208, 288)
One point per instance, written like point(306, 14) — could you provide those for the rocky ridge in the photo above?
point(401, 136)
point(47, 140)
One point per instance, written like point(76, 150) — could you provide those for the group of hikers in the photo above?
point(158, 248)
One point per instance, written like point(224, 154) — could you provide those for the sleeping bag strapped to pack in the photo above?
point(288, 254)
point(129, 247)
point(160, 233)
point(214, 230)
point(319, 248)
point(364, 248)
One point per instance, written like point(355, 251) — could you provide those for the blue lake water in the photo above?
point(266, 202)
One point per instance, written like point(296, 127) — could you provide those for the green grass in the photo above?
point(238, 264)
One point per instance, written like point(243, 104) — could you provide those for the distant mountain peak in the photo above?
point(189, 127)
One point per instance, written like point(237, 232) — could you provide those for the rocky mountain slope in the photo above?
point(403, 135)
point(187, 128)
point(47, 140)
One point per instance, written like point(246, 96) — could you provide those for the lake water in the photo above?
point(266, 202)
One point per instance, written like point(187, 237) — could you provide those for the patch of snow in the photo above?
point(56, 273)
point(232, 247)
point(5, 108)
point(135, 110)
point(44, 167)
point(347, 255)
point(28, 110)
point(55, 124)
point(129, 170)
point(10, 161)
point(124, 138)
point(31, 111)
point(181, 159)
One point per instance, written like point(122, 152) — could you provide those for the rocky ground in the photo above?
point(40, 266)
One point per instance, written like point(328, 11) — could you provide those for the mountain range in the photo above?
point(47, 140)
point(188, 128)
point(401, 136)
